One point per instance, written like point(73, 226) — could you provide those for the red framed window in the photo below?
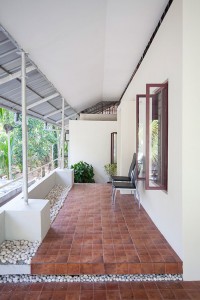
point(152, 136)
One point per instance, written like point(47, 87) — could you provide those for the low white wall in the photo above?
point(2, 226)
point(40, 190)
point(98, 117)
point(31, 221)
point(90, 141)
point(65, 177)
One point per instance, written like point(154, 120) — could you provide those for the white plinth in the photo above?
point(65, 177)
point(2, 226)
point(29, 222)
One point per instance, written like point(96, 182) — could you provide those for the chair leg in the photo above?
point(115, 193)
point(112, 190)
point(138, 196)
point(134, 194)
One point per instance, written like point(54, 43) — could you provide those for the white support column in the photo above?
point(9, 157)
point(63, 135)
point(24, 128)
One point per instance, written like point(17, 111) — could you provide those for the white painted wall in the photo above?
point(190, 139)
point(174, 56)
point(98, 117)
point(164, 62)
point(90, 141)
point(126, 136)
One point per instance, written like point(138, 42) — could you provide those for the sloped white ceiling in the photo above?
point(87, 48)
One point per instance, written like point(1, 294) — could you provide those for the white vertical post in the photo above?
point(9, 157)
point(24, 129)
point(63, 135)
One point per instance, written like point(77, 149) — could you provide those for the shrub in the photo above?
point(111, 170)
point(83, 172)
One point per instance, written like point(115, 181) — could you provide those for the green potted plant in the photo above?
point(83, 172)
point(111, 170)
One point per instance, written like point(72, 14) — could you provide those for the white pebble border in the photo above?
point(57, 198)
point(89, 278)
point(21, 251)
point(17, 252)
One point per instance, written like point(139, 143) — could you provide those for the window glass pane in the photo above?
point(141, 135)
point(157, 140)
point(113, 147)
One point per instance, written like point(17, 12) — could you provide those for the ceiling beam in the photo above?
point(73, 115)
point(16, 75)
point(11, 62)
point(8, 52)
point(42, 100)
point(4, 42)
point(56, 111)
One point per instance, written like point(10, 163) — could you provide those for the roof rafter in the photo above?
point(4, 42)
point(68, 117)
point(8, 52)
point(42, 100)
point(15, 75)
point(56, 112)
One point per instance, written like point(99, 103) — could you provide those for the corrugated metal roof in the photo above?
point(38, 87)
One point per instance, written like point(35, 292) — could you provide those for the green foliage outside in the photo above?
point(40, 143)
point(83, 172)
point(154, 130)
point(154, 143)
point(3, 156)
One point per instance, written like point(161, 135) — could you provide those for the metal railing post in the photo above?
point(9, 157)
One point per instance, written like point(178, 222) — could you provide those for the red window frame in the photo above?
point(164, 143)
point(160, 180)
point(138, 97)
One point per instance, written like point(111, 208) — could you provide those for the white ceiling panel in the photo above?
point(88, 49)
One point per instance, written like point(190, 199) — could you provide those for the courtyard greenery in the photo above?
point(83, 172)
point(42, 143)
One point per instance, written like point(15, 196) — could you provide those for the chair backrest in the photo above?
point(132, 177)
point(133, 174)
point(133, 164)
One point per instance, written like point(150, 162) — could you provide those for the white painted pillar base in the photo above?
point(27, 222)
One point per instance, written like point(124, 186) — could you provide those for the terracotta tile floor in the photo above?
point(91, 236)
point(100, 291)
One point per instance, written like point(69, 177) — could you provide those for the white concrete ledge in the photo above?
point(40, 190)
point(15, 269)
point(27, 222)
point(19, 221)
point(16, 190)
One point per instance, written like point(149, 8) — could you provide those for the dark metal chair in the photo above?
point(130, 185)
point(125, 178)
point(128, 177)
